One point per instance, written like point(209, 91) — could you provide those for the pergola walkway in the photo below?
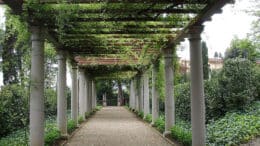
point(115, 126)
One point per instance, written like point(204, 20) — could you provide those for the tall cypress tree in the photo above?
point(205, 60)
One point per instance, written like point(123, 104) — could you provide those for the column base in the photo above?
point(166, 133)
point(152, 124)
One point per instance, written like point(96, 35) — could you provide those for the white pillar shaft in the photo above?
point(169, 98)
point(93, 94)
point(146, 94)
point(197, 89)
point(155, 95)
point(89, 95)
point(86, 93)
point(74, 95)
point(132, 94)
point(104, 100)
point(37, 89)
point(82, 99)
point(62, 99)
point(141, 95)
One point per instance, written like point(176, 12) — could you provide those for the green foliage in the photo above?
point(140, 114)
point(181, 134)
point(236, 83)
point(242, 48)
point(182, 101)
point(160, 124)
point(205, 60)
point(52, 134)
point(234, 88)
point(233, 129)
point(17, 138)
point(71, 126)
point(257, 82)
point(80, 120)
point(50, 102)
point(148, 118)
point(13, 108)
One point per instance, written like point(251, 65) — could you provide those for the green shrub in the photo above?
point(160, 124)
point(80, 120)
point(182, 135)
point(236, 83)
point(233, 129)
point(50, 102)
point(87, 114)
point(140, 114)
point(71, 126)
point(52, 134)
point(13, 109)
point(182, 101)
point(257, 71)
point(17, 138)
point(148, 118)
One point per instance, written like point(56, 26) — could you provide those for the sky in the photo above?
point(218, 32)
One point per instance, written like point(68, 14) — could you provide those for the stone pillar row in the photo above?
point(139, 89)
point(83, 95)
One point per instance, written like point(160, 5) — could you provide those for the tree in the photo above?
point(241, 48)
point(216, 55)
point(205, 60)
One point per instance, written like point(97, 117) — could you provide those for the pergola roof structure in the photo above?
point(104, 35)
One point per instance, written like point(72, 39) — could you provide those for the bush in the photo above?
point(17, 138)
point(52, 134)
point(160, 124)
point(182, 135)
point(233, 129)
point(50, 102)
point(13, 109)
point(80, 120)
point(182, 101)
point(71, 126)
point(140, 114)
point(148, 118)
point(236, 83)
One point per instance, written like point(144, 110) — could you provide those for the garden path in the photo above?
point(116, 126)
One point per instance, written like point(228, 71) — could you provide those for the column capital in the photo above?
point(195, 32)
point(167, 52)
point(36, 30)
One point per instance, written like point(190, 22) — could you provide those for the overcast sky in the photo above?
point(218, 32)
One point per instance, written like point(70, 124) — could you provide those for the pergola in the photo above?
point(104, 38)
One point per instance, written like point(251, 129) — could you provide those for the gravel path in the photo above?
point(116, 126)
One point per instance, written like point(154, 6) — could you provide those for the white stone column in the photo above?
point(141, 94)
point(169, 97)
point(93, 94)
point(61, 93)
point(132, 94)
point(74, 94)
point(197, 89)
point(146, 93)
point(104, 100)
point(82, 97)
point(136, 93)
point(87, 93)
point(90, 95)
point(155, 95)
point(37, 89)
